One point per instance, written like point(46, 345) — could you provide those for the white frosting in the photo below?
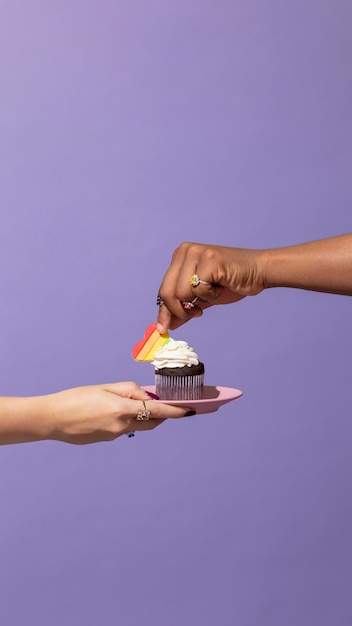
point(175, 354)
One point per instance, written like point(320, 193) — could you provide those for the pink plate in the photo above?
point(214, 398)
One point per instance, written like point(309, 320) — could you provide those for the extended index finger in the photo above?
point(173, 307)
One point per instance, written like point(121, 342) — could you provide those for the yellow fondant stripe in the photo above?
point(161, 342)
point(148, 345)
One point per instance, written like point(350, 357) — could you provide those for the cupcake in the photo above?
point(179, 375)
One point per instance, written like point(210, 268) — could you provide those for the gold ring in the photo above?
point(143, 414)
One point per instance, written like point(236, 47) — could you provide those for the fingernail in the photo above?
point(153, 396)
point(189, 413)
point(159, 328)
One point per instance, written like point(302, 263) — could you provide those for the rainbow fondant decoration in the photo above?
point(144, 350)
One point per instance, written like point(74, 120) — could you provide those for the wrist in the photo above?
point(263, 263)
point(274, 265)
point(23, 419)
point(49, 421)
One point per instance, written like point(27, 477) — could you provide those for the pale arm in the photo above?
point(81, 415)
point(21, 420)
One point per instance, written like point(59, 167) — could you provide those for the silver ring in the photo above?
point(195, 281)
point(189, 304)
point(131, 434)
point(159, 300)
point(143, 414)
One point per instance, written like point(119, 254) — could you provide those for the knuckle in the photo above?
point(209, 255)
point(131, 387)
point(193, 248)
point(181, 249)
point(165, 293)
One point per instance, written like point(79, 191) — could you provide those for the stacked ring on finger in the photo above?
point(159, 300)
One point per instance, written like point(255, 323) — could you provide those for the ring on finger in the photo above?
point(189, 304)
point(143, 414)
point(159, 300)
point(195, 281)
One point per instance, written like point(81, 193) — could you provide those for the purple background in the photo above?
point(127, 127)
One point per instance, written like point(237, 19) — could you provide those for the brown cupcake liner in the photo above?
point(179, 387)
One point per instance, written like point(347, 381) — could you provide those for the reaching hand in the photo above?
point(225, 275)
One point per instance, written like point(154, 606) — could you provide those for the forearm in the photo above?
point(324, 265)
point(23, 420)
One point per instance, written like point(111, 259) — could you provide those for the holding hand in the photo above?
point(83, 415)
